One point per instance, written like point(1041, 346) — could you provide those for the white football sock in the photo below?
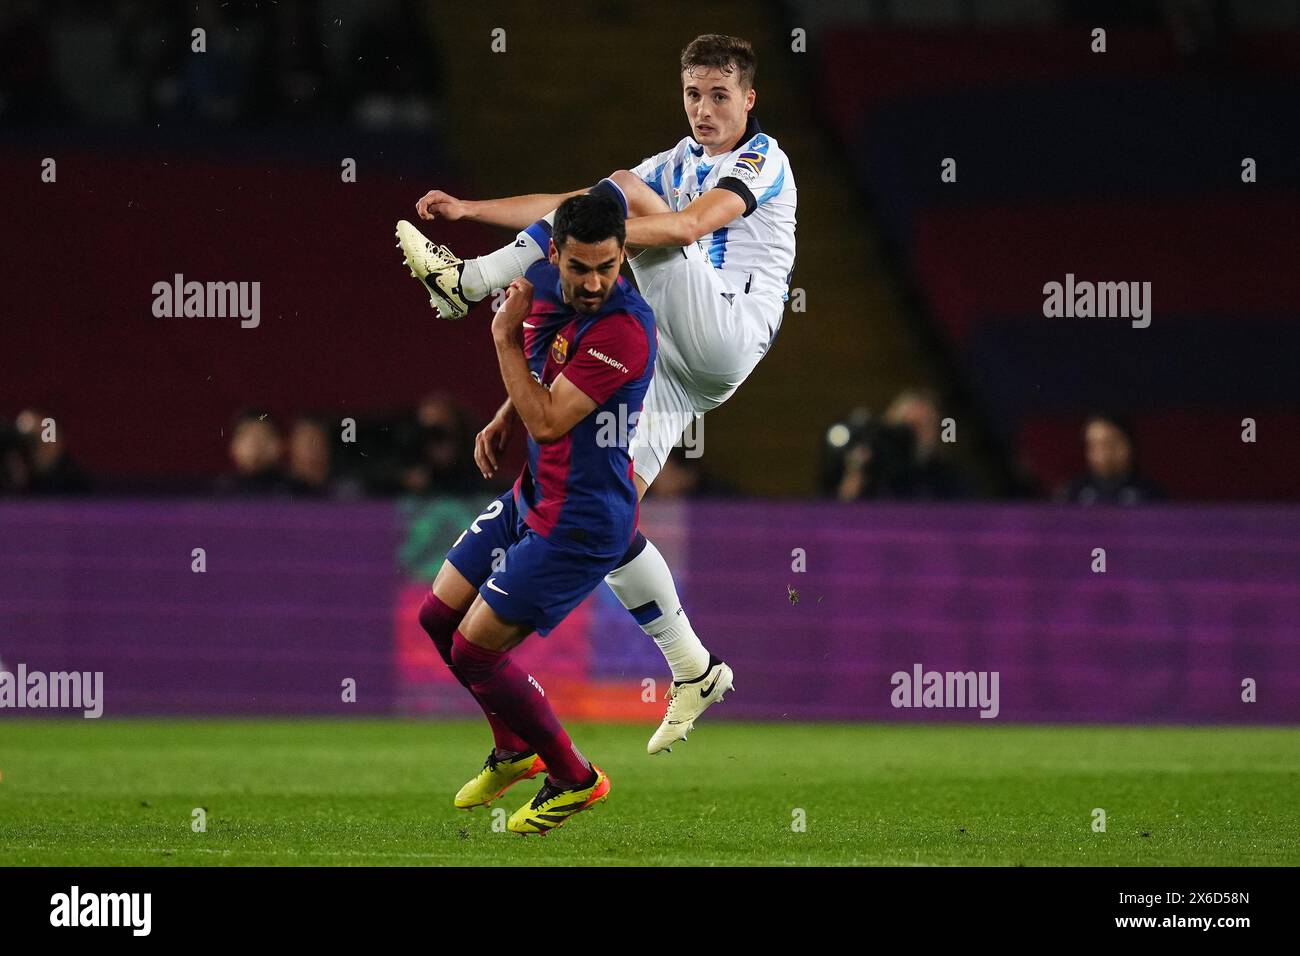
point(496, 270)
point(645, 586)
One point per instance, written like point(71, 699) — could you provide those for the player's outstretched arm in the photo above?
point(548, 414)
point(514, 212)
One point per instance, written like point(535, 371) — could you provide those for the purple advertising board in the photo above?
point(825, 611)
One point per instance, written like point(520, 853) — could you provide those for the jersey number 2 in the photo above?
point(491, 512)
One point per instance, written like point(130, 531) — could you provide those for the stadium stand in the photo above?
point(1051, 195)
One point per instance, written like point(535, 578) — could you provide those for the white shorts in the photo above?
point(710, 339)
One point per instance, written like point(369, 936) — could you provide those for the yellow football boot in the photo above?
point(496, 777)
point(553, 805)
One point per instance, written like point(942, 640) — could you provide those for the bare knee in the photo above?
point(484, 628)
point(451, 588)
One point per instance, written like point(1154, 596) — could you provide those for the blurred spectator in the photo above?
point(312, 469)
point(256, 450)
point(439, 450)
point(38, 463)
point(310, 464)
point(683, 477)
point(1112, 477)
point(898, 455)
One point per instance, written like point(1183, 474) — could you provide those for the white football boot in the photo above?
point(438, 268)
point(687, 702)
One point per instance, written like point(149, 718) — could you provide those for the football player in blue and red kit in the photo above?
point(576, 377)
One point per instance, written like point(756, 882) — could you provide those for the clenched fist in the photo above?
point(436, 204)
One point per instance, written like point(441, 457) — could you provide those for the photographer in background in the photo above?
point(898, 455)
point(35, 461)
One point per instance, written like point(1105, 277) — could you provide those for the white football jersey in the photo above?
point(753, 253)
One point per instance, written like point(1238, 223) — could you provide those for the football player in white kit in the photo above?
point(714, 218)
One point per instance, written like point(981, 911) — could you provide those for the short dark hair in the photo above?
point(728, 54)
point(589, 217)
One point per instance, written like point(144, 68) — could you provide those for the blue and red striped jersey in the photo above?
point(578, 491)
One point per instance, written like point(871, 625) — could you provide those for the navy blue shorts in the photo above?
point(521, 575)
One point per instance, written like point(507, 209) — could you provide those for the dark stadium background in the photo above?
point(226, 165)
point(923, 297)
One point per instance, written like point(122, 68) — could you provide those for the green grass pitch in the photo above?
point(321, 792)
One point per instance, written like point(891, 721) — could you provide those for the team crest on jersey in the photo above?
point(559, 350)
